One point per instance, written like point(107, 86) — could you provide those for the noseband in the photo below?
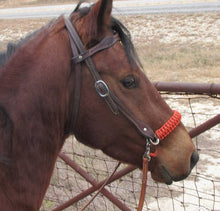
point(116, 106)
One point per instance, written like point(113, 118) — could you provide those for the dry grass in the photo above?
point(178, 47)
point(191, 63)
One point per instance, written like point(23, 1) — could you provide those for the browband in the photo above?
point(107, 42)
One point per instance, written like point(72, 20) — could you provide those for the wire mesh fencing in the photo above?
point(200, 191)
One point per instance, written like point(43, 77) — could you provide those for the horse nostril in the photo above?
point(194, 159)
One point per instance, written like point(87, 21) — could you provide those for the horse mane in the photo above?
point(6, 132)
point(4, 56)
point(13, 46)
point(125, 37)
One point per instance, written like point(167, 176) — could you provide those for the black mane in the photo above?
point(4, 56)
point(125, 37)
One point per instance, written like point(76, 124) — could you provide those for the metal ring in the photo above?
point(155, 141)
point(102, 88)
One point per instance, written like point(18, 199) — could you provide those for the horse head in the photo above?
point(120, 69)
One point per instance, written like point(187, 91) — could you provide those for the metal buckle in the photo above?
point(102, 88)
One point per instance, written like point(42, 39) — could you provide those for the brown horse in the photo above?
point(37, 104)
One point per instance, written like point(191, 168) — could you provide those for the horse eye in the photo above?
point(129, 82)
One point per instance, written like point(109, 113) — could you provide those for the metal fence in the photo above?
point(80, 170)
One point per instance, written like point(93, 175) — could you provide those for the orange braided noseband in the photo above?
point(167, 128)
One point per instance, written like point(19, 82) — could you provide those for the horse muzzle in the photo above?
point(164, 175)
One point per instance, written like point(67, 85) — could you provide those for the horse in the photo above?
point(47, 93)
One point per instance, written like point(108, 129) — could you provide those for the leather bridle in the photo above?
point(80, 54)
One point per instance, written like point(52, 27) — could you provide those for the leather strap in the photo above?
point(107, 42)
point(108, 180)
point(143, 128)
point(77, 84)
point(144, 184)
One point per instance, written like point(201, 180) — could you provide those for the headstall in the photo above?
point(81, 55)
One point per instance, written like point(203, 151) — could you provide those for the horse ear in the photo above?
point(99, 17)
point(103, 8)
point(96, 22)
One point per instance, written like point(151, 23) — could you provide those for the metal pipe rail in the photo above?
point(194, 88)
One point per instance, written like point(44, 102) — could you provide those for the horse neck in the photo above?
point(36, 101)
